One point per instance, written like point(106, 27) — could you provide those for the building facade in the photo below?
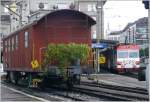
point(88, 7)
point(5, 27)
point(26, 11)
point(94, 8)
point(142, 32)
point(22, 12)
point(115, 36)
point(136, 32)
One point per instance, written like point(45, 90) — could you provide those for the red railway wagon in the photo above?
point(26, 44)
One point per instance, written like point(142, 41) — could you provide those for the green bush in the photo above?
point(144, 52)
point(65, 55)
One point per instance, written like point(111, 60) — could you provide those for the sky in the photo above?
point(118, 13)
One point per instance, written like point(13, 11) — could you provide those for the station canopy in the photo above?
point(103, 43)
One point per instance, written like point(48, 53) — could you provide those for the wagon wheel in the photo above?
point(69, 83)
point(8, 77)
point(14, 77)
point(109, 64)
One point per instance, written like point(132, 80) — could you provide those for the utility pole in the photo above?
point(99, 29)
point(148, 67)
point(147, 6)
point(0, 36)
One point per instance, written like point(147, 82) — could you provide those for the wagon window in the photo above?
point(12, 44)
point(16, 42)
point(91, 7)
point(5, 46)
point(9, 45)
point(26, 36)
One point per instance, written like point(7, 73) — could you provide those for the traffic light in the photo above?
point(146, 4)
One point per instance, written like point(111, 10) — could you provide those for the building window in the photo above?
point(62, 6)
point(94, 18)
point(94, 34)
point(26, 39)
point(141, 30)
point(42, 5)
point(5, 9)
point(80, 9)
point(16, 42)
point(91, 7)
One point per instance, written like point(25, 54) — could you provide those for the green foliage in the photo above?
point(144, 52)
point(147, 51)
point(65, 55)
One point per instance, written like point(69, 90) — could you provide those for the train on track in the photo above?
point(121, 58)
point(24, 48)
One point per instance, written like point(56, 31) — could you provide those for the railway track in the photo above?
point(106, 94)
point(88, 91)
point(51, 94)
point(113, 92)
point(115, 87)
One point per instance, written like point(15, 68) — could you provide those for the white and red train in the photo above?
point(122, 58)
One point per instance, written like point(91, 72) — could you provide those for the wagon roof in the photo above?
point(74, 12)
point(65, 11)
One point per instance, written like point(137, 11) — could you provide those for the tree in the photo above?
point(147, 52)
point(65, 55)
point(144, 52)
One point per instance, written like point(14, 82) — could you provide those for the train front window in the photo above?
point(133, 54)
point(122, 54)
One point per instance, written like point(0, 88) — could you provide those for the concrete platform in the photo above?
point(115, 79)
point(9, 94)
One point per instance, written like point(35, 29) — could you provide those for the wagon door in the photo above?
point(42, 55)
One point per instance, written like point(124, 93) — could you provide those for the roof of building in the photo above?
point(71, 11)
point(127, 26)
point(142, 22)
point(139, 23)
point(115, 32)
point(105, 41)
